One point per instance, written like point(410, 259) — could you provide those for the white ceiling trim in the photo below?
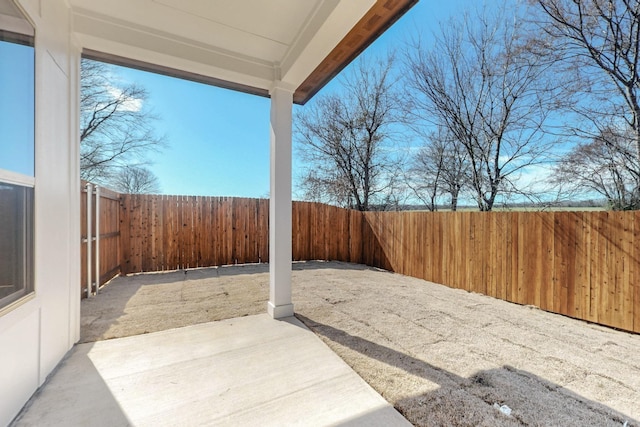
point(256, 22)
point(311, 50)
point(82, 16)
point(195, 66)
point(16, 25)
point(308, 30)
point(123, 39)
point(251, 43)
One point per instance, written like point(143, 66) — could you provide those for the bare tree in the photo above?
point(116, 129)
point(345, 141)
point(135, 180)
point(600, 39)
point(439, 168)
point(606, 165)
point(598, 45)
point(479, 82)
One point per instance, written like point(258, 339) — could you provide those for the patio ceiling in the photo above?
point(11, 19)
point(244, 44)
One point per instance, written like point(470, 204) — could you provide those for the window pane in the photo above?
point(16, 108)
point(16, 212)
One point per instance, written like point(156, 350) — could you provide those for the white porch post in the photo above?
point(279, 304)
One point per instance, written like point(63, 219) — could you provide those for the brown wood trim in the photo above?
point(109, 275)
point(108, 193)
point(23, 39)
point(375, 22)
point(103, 236)
point(110, 235)
point(170, 72)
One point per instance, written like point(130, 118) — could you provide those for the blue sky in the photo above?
point(218, 140)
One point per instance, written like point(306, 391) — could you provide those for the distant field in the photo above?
point(526, 209)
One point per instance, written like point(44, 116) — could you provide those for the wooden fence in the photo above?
point(580, 264)
point(161, 232)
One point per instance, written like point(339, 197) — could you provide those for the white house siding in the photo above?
point(35, 336)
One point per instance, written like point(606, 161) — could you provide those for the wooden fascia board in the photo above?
point(376, 21)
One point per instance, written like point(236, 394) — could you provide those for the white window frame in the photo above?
point(24, 33)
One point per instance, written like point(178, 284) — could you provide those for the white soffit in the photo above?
point(249, 19)
point(247, 42)
point(11, 19)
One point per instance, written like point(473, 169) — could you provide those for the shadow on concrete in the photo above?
point(58, 401)
point(459, 401)
point(220, 373)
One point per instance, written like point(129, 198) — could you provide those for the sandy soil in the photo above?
point(441, 356)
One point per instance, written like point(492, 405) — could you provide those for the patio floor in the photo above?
point(440, 356)
point(245, 371)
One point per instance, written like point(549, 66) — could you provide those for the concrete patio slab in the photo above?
point(243, 371)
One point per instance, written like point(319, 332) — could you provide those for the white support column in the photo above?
point(280, 305)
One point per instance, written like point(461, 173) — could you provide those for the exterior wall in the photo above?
point(36, 335)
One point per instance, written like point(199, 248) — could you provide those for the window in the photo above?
point(17, 171)
point(16, 242)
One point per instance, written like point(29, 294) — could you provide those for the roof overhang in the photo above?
point(13, 21)
point(376, 21)
point(245, 45)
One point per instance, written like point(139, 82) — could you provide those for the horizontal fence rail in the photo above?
point(579, 264)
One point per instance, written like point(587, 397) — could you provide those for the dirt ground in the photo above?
point(441, 356)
